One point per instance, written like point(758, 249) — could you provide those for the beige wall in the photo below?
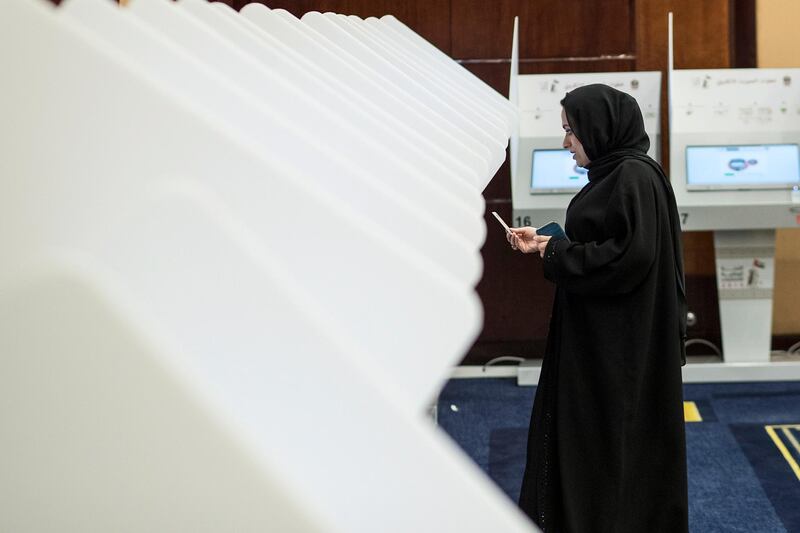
point(778, 45)
point(777, 38)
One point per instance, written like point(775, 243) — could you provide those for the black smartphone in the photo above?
point(552, 229)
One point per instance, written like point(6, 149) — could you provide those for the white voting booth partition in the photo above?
point(481, 121)
point(383, 182)
point(366, 318)
point(413, 133)
point(423, 157)
point(181, 350)
point(443, 110)
point(330, 58)
point(734, 164)
point(498, 110)
point(440, 62)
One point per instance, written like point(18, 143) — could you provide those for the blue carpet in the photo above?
point(779, 484)
point(740, 480)
point(507, 458)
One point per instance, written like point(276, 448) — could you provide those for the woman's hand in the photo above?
point(522, 239)
point(541, 243)
point(526, 240)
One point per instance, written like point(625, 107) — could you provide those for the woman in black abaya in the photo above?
point(606, 448)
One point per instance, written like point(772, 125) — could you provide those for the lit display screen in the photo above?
point(554, 171)
point(742, 167)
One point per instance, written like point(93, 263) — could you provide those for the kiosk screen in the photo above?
point(742, 167)
point(554, 171)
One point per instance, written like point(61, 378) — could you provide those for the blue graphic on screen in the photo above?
point(554, 171)
point(762, 166)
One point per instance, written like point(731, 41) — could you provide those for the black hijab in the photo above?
point(609, 125)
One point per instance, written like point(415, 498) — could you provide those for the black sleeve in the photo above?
point(620, 262)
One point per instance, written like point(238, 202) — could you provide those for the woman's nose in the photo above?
point(565, 143)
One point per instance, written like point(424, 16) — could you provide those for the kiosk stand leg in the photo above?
point(745, 278)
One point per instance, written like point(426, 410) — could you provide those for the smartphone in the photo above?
point(502, 223)
point(552, 229)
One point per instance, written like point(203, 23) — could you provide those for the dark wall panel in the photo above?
point(701, 29)
point(743, 34)
point(547, 29)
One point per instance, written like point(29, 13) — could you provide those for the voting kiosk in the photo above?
point(735, 169)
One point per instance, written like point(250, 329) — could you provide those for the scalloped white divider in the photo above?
point(383, 316)
point(108, 426)
point(280, 74)
point(383, 102)
point(423, 48)
point(304, 127)
point(457, 112)
point(281, 50)
point(424, 69)
point(486, 123)
point(410, 90)
point(390, 307)
point(172, 359)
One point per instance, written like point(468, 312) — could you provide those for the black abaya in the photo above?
point(606, 450)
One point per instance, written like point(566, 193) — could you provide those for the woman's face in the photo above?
point(572, 143)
